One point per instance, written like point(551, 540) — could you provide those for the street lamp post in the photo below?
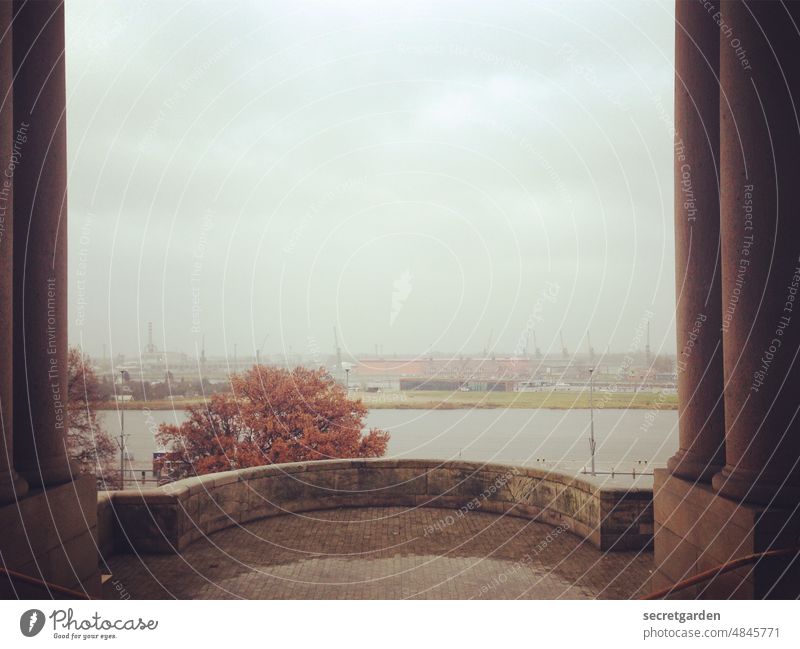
point(347, 378)
point(122, 449)
point(121, 441)
point(591, 416)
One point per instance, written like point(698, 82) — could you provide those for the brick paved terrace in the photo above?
point(386, 552)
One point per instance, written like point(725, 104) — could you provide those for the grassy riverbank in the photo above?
point(548, 400)
point(424, 400)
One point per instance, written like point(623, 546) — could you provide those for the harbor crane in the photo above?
point(338, 350)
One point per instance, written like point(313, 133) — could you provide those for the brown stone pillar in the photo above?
point(12, 486)
point(760, 202)
point(40, 243)
point(701, 418)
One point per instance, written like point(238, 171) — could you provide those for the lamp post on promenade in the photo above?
point(592, 444)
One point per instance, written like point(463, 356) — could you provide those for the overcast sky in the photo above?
point(423, 175)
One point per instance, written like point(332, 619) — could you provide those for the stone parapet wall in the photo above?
point(105, 523)
point(612, 515)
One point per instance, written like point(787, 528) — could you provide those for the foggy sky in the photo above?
point(425, 176)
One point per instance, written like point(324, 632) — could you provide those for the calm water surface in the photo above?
point(625, 438)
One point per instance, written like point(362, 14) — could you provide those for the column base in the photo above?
point(696, 529)
point(52, 535)
point(691, 466)
point(12, 487)
point(752, 487)
point(49, 472)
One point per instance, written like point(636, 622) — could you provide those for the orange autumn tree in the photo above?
point(88, 442)
point(272, 415)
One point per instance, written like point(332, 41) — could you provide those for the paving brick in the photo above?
point(387, 553)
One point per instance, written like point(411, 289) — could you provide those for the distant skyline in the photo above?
point(418, 176)
point(326, 353)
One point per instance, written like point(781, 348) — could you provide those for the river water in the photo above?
point(626, 439)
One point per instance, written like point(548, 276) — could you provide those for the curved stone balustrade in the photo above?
point(610, 515)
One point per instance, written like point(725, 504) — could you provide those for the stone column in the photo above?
point(701, 418)
point(760, 203)
point(40, 243)
point(12, 486)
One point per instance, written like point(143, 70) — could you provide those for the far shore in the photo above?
point(426, 400)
